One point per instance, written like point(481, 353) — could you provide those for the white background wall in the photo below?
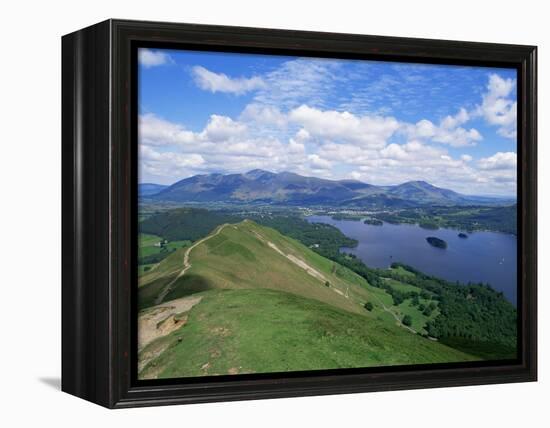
point(30, 198)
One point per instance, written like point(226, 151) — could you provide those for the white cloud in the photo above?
point(317, 162)
point(264, 115)
point(223, 144)
point(499, 161)
point(149, 58)
point(330, 125)
point(179, 160)
point(156, 131)
point(299, 81)
point(451, 122)
point(221, 128)
point(296, 147)
point(296, 144)
point(419, 161)
point(219, 82)
point(498, 108)
point(448, 131)
point(168, 164)
point(346, 153)
point(394, 151)
point(302, 135)
point(415, 160)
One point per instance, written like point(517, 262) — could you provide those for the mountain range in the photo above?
point(287, 188)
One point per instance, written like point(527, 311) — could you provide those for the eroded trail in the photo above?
point(301, 264)
point(298, 262)
point(315, 273)
point(186, 264)
point(160, 320)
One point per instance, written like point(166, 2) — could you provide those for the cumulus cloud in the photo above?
point(367, 131)
point(302, 135)
point(149, 58)
point(448, 131)
point(296, 147)
point(499, 161)
point(499, 107)
point(168, 164)
point(223, 144)
point(219, 82)
point(156, 131)
point(346, 153)
point(318, 162)
point(451, 122)
point(221, 128)
point(264, 115)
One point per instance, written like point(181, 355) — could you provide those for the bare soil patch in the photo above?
point(163, 319)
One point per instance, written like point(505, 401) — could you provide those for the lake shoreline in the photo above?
point(468, 231)
point(487, 257)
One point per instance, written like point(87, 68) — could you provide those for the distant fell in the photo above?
point(286, 188)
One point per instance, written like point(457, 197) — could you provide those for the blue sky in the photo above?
point(378, 122)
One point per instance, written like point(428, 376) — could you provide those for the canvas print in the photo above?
point(301, 214)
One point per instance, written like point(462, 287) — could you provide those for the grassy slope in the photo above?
point(259, 331)
point(240, 258)
point(263, 313)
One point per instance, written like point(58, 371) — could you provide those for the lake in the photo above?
point(488, 257)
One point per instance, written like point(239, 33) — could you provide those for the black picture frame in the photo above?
point(99, 192)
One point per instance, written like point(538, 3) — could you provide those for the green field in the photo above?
point(272, 304)
point(401, 286)
point(149, 244)
point(154, 248)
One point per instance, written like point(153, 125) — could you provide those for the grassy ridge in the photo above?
point(259, 331)
point(240, 257)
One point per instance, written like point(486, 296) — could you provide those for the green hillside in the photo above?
point(262, 331)
point(270, 303)
point(247, 256)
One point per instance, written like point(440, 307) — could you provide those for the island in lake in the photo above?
point(462, 235)
point(436, 242)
